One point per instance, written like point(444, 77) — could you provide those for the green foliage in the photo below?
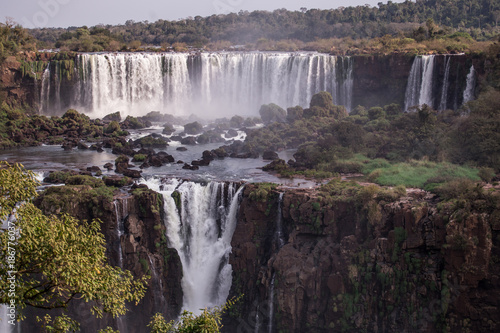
point(422, 174)
point(112, 127)
point(61, 323)
point(396, 26)
point(209, 321)
point(262, 191)
point(139, 158)
point(272, 113)
point(57, 258)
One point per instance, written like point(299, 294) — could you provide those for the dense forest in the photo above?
point(289, 30)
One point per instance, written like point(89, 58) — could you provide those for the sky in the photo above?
point(65, 13)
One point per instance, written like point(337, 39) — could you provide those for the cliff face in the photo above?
point(136, 241)
point(377, 80)
point(385, 265)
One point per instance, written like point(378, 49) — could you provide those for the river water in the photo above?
point(43, 159)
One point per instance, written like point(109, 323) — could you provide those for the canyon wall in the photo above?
point(364, 264)
point(136, 241)
point(342, 257)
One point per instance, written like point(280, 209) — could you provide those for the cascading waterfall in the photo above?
point(444, 90)
point(200, 221)
point(420, 81)
point(279, 242)
point(470, 86)
point(183, 83)
point(45, 90)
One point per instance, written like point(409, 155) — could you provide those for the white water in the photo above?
point(201, 233)
point(444, 90)
point(420, 81)
point(206, 84)
point(470, 86)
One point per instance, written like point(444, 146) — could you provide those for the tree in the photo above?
point(208, 321)
point(50, 261)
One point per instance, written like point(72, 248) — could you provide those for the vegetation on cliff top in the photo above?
point(311, 29)
point(55, 259)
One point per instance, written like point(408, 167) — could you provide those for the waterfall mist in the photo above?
point(200, 221)
point(204, 84)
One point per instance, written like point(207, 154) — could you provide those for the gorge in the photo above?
point(322, 257)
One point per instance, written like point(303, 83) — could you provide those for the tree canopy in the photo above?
point(54, 260)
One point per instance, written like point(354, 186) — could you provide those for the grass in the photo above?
point(422, 174)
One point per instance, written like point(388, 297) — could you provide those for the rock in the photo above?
point(231, 133)
point(272, 113)
point(269, 155)
point(193, 128)
point(189, 140)
point(132, 173)
point(117, 181)
point(200, 163)
point(165, 157)
point(93, 168)
point(181, 148)
point(108, 166)
point(190, 167)
point(168, 129)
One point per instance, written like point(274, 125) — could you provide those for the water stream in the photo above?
point(200, 221)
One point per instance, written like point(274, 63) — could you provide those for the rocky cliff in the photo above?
point(377, 80)
point(364, 259)
point(135, 234)
point(340, 257)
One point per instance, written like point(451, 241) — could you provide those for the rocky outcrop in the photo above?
point(363, 262)
point(135, 237)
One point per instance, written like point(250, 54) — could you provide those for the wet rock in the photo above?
point(200, 163)
point(190, 167)
point(117, 181)
point(193, 128)
point(108, 166)
point(231, 133)
point(132, 173)
point(181, 149)
point(270, 155)
point(189, 140)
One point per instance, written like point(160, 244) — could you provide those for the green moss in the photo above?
point(262, 191)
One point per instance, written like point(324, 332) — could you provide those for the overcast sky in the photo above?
point(65, 13)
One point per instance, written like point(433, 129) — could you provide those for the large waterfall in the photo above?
point(200, 222)
point(439, 81)
point(215, 84)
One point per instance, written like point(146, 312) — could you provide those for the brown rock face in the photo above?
point(136, 241)
point(378, 266)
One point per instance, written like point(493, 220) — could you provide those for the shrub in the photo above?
point(139, 158)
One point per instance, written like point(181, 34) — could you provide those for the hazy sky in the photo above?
point(65, 13)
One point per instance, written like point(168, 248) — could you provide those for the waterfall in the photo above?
point(121, 214)
point(444, 90)
point(200, 223)
point(212, 83)
point(420, 82)
point(345, 87)
point(279, 242)
point(470, 86)
point(45, 90)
